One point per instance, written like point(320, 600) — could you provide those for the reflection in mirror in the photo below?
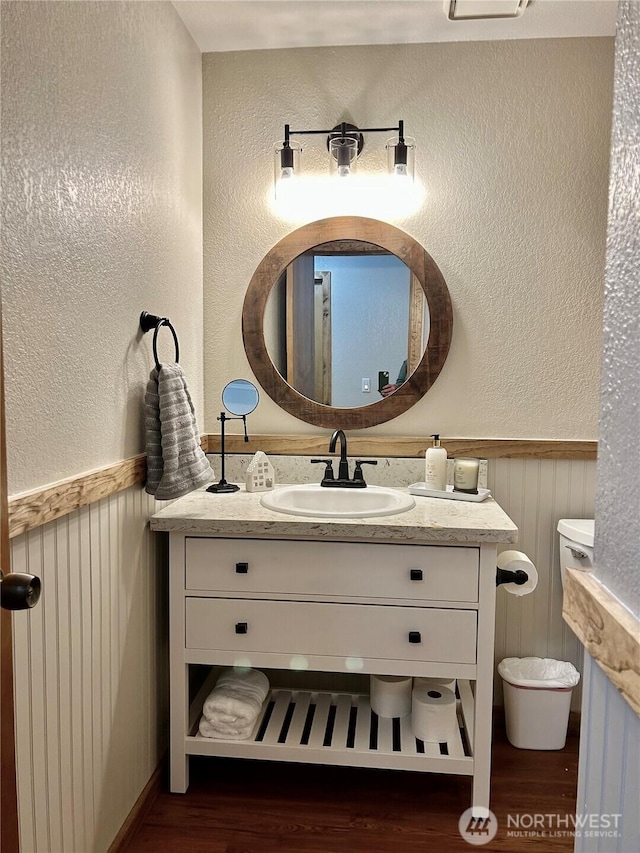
point(240, 397)
point(346, 323)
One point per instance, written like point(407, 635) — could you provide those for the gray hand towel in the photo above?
point(176, 463)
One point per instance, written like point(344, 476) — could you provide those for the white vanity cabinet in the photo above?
point(409, 595)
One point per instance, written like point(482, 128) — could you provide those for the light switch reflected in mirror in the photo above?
point(339, 317)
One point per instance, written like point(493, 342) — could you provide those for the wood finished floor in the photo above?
point(235, 806)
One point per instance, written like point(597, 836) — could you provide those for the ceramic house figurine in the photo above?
point(260, 476)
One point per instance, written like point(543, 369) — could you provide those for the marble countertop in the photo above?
point(241, 514)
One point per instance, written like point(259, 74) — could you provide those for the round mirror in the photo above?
point(240, 397)
point(347, 322)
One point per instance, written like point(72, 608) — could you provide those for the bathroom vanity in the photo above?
point(407, 594)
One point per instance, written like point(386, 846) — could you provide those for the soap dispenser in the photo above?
point(435, 474)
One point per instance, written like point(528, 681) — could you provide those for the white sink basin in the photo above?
point(334, 502)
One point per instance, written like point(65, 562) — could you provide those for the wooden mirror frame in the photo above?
point(421, 265)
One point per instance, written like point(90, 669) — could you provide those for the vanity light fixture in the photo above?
point(344, 143)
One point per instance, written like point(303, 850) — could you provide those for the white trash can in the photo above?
point(537, 699)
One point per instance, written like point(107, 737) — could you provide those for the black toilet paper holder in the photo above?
point(519, 577)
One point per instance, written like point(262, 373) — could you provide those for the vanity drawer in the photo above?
point(342, 630)
point(353, 570)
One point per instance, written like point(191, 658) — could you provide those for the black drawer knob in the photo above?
point(241, 627)
point(415, 574)
point(414, 637)
point(242, 568)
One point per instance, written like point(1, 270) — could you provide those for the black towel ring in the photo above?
point(165, 322)
point(151, 321)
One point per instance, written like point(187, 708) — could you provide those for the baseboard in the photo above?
point(140, 809)
point(574, 723)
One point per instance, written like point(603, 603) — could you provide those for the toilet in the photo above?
point(576, 544)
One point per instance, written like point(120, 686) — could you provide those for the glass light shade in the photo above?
point(286, 164)
point(401, 157)
point(343, 154)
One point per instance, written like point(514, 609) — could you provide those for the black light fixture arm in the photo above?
point(343, 132)
point(286, 155)
point(400, 157)
point(343, 127)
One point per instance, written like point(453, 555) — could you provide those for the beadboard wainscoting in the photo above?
point(609, 768)
point(536, 493)
point(90, 672)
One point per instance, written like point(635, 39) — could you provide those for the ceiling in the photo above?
point(224, 25)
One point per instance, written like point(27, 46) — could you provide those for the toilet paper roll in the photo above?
point(512, 561)
point(433, 714)
point(391, 695)
point(449, 683)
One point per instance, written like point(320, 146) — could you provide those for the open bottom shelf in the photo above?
point(339, 728)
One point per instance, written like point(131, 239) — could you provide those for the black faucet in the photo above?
point(343, 468)
point(342, 480)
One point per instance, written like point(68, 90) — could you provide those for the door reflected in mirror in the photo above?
point(346, 323)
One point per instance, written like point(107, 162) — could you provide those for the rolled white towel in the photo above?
point(208, 729)
point(235, 702)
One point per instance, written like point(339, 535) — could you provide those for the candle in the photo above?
point(465, 475)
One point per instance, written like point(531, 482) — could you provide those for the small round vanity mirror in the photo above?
point(240, 397)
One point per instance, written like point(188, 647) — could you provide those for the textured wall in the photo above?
point(102, 200)
point(618, 500)
point(513, 144)
point(608, 779)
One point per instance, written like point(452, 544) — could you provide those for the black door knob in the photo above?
point(19, 591)
point(241, 627)
point(242, 568)
point(415, 637)
point(415, 574)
